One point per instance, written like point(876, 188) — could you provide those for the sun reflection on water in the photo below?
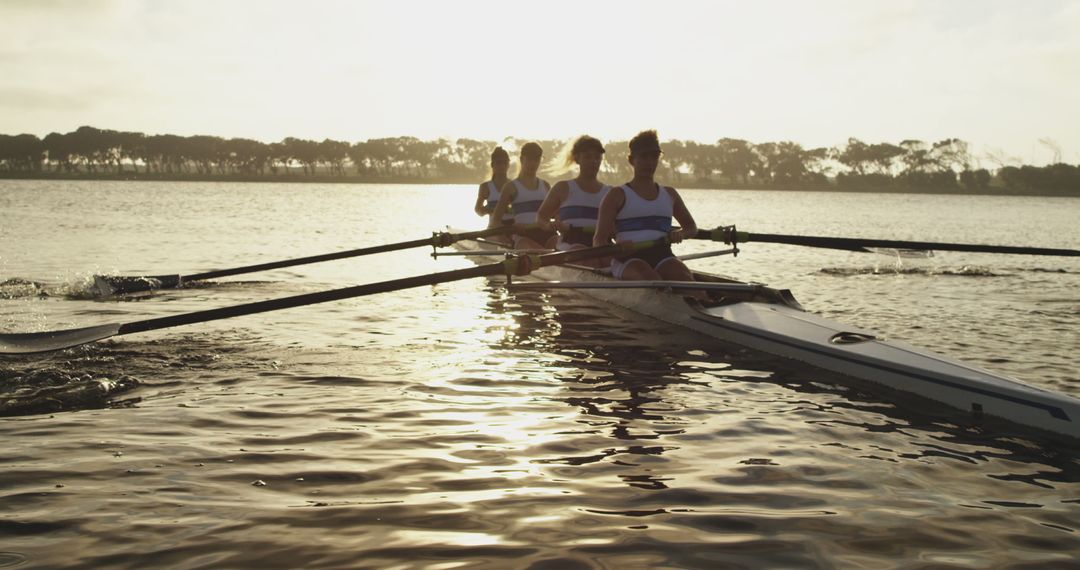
point(449, 537)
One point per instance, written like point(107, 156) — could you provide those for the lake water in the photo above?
point(461, 426)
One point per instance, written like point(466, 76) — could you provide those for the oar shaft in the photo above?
point(486, 253)
point(855, 244)
point(705, 254)
point(25, 343)
point(438, 239)
point(310, 259)
point(860, 244)
point(307, 299)
point(508, 266)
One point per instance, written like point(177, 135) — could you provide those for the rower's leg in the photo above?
point(639, 270)
point(672, 269)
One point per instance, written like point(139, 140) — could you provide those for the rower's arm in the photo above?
point(682, 215)
point(550, 208)
point(605, 219)
point(481, 197)
point(506, 196)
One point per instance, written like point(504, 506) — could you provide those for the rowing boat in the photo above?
point(772, 321)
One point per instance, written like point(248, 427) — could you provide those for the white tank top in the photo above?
point(493, 198)
point(579, 211)
point(580, 207)
point(527, 201)
point(641, 219)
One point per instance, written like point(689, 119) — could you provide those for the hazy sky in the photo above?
point(1001, 74)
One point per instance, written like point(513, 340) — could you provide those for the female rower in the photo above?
point(576, 203)
point(523, 195)
point(641, 210)
point(488, 194)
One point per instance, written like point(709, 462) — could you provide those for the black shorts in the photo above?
point(653, 255)
point(578, 236)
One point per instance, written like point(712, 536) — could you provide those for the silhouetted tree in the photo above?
point(306, 152)
point(976, 180)
point(737, 159)
point(474, 156)
point(943, 166)
point(21, 153)
point(334, 154)
point(132, 148)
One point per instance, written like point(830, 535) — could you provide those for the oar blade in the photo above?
point(108, 285)
point(28, 343)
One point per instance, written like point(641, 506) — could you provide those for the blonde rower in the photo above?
point(576, 203)
point(641, 210)
point(523, 195)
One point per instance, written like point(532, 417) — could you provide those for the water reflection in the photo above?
point(460, 425)
point(615, 372)
point(629, 383)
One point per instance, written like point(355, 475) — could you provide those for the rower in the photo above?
point(576, 202)
point(641, 210)
point(523, 195)
point(488, 194)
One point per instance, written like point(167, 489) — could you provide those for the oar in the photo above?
point(706, 254)
point(695, 285)
point(25, 343)
point(115, 285)
point(485, 253)
point(729, 235)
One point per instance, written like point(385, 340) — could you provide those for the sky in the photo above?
point(1003, 75)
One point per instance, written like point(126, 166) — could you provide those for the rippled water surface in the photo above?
point(462, 426)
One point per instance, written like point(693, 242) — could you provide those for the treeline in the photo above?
point(911, 165)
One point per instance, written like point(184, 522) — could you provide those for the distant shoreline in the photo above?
point(910, 167)
point(354, 179)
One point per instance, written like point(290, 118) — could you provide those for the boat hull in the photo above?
point(779, 326)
